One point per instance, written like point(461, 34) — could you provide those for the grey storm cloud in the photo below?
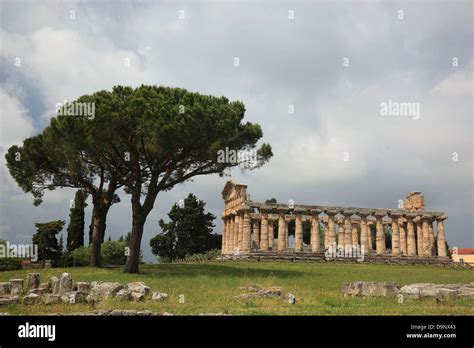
point(74, 48)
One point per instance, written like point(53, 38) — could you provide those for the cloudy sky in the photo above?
point(334, 62)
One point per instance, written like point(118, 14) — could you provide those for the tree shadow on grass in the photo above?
point(213, 270)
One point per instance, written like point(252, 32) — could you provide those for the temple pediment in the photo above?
point(232, 189)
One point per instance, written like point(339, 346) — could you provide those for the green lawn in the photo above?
point(210, 288)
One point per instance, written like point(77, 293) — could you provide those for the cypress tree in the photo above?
point(75, 229)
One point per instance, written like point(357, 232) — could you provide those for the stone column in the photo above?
point(426, 236)
point(441, 238)
point(271, 235)
point(411, 242)
point(369, 235)
point(380, 237)
point(264, 236)
point(231, 233)
point(281, 234)
point(236, 233)
point(403, 236)
point(340, 232)
point(419, 236)
point(230, 243)
point(395, 237)
point(230, 224)
point(240, 233)
point(432, 239)
point(347, 231)
point(315, 238)
point(246, 235)
point(355, 237)
point(331, 228)
point(298, 234)
point(326, 235)
point(364, 240)
point(287, 237)
point(255, 237)
point(224, 236)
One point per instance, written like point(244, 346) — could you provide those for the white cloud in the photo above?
point(14, 119)
point(65, 64)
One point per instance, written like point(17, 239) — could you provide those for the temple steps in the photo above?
point(320, 257)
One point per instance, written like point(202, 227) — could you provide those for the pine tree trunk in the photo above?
point(139, 216)
point(98, 221)
point(133, 259)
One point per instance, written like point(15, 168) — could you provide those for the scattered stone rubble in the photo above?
point(410, 292)
point(126, 312)
point(64, 290)
point(370, 289)
point(257, 291)
point(6, 300)
point(119, 312)
point(159, 296)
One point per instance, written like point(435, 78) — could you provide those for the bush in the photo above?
point(113, 252)
point(81, 256)
point(66, 260)
point(164, 259)
point(10, 264)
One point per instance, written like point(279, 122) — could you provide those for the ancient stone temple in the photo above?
point(251, 227)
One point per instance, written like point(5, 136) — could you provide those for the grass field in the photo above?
point(210, 288)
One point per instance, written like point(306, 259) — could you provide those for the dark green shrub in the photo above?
point(81, 256)
point(113, 252)
point(10, 264)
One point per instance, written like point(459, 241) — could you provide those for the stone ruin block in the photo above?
point(352, 288)
point(45, 286)
point(123, 295)
point(370, 289)
point(65, 283)
point(54, 285)
point(159, 296)
point(138, 287)
point(31, 299)
point(104, 290)
point(5, 288)
point(414, 201)
point(16, 286)
point(73, 297)
point(81, 287)
point(33, 281)
point(6, 300)
point(379, 289)
point(136, 296)
point(49, 299)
